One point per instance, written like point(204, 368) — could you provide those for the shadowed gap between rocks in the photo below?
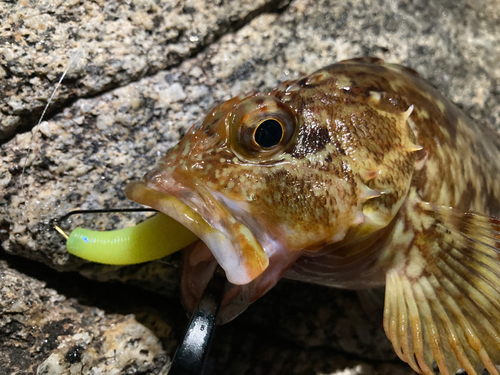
point(116, 298)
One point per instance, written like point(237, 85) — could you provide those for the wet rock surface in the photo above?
point(108, 126)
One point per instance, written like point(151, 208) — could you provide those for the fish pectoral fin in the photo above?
point(442, 300)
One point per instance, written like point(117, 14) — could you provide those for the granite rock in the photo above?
point(46, 333)
point(88, 328)
point(116, 126)
point(109, 44)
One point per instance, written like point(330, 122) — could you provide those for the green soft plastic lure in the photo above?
point(152, 239)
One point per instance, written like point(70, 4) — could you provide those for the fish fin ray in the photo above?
point(442, 299)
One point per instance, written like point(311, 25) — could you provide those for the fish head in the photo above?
point(268, 178)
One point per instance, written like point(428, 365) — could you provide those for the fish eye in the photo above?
point(261, 128)
point(268, 133)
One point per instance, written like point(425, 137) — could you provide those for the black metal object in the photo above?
point(56, 222)
point(105, 211)
point(191, 356)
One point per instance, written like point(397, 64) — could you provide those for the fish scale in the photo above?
point(376, 179)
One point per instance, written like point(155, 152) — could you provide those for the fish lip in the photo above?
point(232, 244)
point(236, 298)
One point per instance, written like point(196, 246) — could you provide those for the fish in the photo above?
point(357, 176)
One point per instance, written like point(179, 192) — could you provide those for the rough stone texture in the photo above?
point(112, 43)
point(85, 153)
point(43, 332)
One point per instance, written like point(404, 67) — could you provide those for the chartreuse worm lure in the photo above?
point(152, 239)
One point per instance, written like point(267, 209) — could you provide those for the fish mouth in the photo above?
point(232, 244)
point(236, 298)
point(250, 268)
point(224, 240)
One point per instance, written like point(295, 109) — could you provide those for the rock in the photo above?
point(109, 44)
point(46, 333)
point(131, 331)
point(127, 101)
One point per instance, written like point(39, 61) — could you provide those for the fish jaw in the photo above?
point(233, 245)
point(199, 266)
point(250, 270)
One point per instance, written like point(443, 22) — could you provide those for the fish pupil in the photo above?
point(269, 133)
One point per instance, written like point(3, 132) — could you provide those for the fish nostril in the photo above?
point(209, 142)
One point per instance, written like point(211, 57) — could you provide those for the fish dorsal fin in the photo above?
point(443, 299)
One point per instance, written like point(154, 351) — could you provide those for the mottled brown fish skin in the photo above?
point(347, 169)
point(371, 181)
point(457, 166)
point(462, 159)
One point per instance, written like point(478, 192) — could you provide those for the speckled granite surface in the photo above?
point(112, 43)
point(108, 127)
point(44, 332)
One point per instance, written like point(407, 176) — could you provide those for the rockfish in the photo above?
point(357, 176)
